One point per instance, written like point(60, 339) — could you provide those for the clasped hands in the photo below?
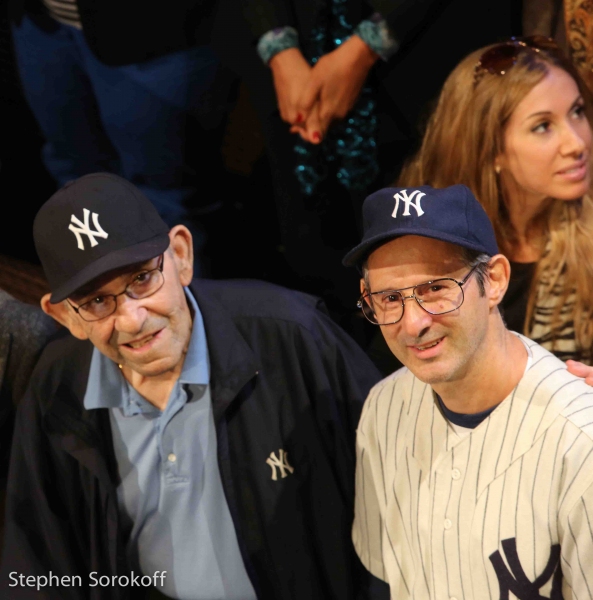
point(311, 98)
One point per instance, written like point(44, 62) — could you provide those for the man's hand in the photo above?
point(580, 370)
point(334, 85)
point(291, 74)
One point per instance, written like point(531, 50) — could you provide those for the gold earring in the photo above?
point(497, 169)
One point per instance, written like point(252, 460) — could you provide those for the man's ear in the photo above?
point(64, 315)
point(363, 287)
point(499, 275)
point(181, 245)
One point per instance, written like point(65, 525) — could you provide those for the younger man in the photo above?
point(475, 461)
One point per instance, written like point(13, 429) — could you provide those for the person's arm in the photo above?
point(337, 82)
point(310, 99)
point(338, 77)
point(40, 534)
point(407, 18)
point(334, 86)
point(580, 370)
point(262, 16)
point(279, 50)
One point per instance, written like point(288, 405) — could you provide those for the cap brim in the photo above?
point(357, 255)
point(114, 260)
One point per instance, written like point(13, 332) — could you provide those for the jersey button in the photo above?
point(452, 598)
point(447, 524)
point(455, 474)
point(171, 458)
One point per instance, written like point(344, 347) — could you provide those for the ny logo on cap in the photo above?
point(412, 200)
point(83, 228)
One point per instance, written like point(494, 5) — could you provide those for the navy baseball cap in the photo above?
point(449, 214)
point(93, 225)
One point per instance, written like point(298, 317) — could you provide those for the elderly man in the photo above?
point(475, 461)
point(197, 436)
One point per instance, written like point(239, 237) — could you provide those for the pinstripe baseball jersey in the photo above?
point(501, 511)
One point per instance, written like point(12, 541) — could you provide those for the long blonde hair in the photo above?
point(463, 137)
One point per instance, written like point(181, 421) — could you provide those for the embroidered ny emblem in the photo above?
point(77, 227)
point(281, 463)
point(412, 200)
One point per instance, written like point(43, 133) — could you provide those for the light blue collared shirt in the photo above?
point(170, 496)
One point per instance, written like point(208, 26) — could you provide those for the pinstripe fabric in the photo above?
point(444, 516)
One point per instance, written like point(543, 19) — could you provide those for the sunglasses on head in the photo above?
point(498, 59)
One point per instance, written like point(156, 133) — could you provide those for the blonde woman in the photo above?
point(511, 123)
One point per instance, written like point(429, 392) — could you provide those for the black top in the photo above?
point(469, 421)
point(514, 304)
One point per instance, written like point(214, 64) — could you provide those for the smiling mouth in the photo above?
point(429, 345)
point(140, 343)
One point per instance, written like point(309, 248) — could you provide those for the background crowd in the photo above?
point(238, 177)
point(263, 129)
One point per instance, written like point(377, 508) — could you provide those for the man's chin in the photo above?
point(432, 373)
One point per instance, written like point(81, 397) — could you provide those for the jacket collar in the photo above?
point(232, 362)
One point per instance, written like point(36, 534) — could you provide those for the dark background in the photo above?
point(243, 234)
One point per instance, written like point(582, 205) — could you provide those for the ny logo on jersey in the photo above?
point(77, 227)
point(412, 200)
point(281, 463)
point(516, 580)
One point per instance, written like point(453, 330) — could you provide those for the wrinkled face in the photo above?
point(547, 143)
point(436, 348)
point(148, 335)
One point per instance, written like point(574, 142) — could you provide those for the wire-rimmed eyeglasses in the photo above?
point(144, 283)
point(436, 297)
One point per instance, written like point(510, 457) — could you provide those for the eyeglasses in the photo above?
point(500, 58)
point(143, 284)
point(436, 297)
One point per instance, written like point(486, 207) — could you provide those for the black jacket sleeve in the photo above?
point(40, 537)
point(61, 515)
point(405, 17)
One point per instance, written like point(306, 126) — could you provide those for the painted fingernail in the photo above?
point(299, 118)
point(316, 136)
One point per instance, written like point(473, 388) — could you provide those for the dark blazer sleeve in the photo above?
point(56, 501)
point(405, 17)
point(264, 15)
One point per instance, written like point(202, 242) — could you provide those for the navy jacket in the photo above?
point(283, 376)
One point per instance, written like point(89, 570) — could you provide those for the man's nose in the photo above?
point(129, 314)
point(415, 319)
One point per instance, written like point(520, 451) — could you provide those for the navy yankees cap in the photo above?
point(93, 225)
point(449, 214)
